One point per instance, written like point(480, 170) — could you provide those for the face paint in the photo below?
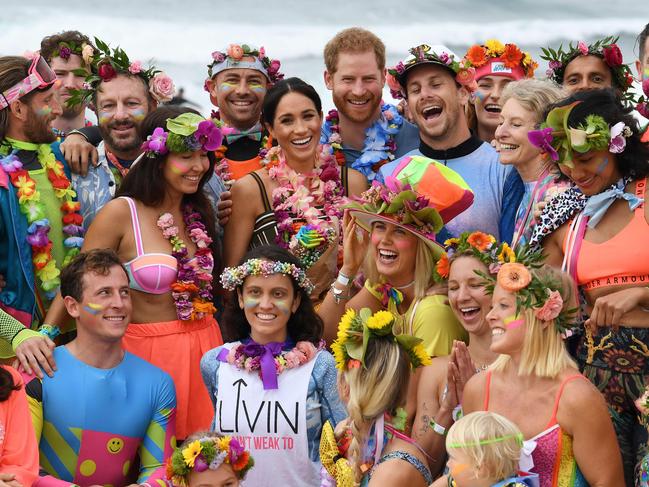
point(93, 309)
point(138, 114)
point(602, 166)
point(227, 86)
point(249, 302)
point(645, 74)
point(480, 96)
point(104, 117)
point(283, 305)
point(511, 322)
point(178, 167)
point(257, 87)
point(44, 111)
point(458, 468)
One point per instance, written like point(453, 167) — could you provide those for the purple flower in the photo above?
point(218, 56)
point(273, 68)
point(618, 142)
point(253, 349)
point(444, 57)
point(236, 450)
point(543, 140)
point(156, 142)
point(642, 109)
point(209, 135)
point(37, 233)
point(64, 52)
point(549, 73)
point(554, 65)
point(73, 230)
point(400, 67)
point(200, 465)
point(11, 163)
point(420, 203)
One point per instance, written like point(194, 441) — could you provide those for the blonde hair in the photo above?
point(544, 353)
point(378, 387)
point(534, 95)
point(353, 40)
point(491, 442)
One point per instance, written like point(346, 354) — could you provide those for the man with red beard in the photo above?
point(364, 132)
point(65, 54)
point(37, 210)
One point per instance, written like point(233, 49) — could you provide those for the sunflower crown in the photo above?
point(355, 330)
point(482, 246)
point(511, 55)
point(208, 453)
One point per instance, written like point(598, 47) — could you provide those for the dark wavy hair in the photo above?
point(275, 94)
point(303, 325)
point(7, 385)
point(145, 182)
point(634, 161)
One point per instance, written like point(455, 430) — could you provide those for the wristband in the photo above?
point(342, 279)
point(22, 336)
point(338, 293)
point(437, 428)
point(78, 132)
point(50, 331)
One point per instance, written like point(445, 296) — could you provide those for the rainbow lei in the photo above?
point(303, 200)
point(192, 291)
point(29, 200)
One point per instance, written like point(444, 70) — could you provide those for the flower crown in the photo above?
point(236, 53)
point(559, 140)
point(356, 329)
point(208, 453)
point(65, 49)
point(188, 132)
point(233, 277)
point(106, 63)
point(464, 74)
point(480, 245)
point(478, 55)
point(606, 48)
point(542, 294)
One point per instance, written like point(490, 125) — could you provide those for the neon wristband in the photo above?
point(50, 331)
point(437, 428)
point(23, 335)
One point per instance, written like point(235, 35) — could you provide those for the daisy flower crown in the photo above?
point(606, 48)
point(208, 453)
point(233, 277)
point(355, 330)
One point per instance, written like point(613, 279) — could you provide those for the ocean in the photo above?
point(180, 35)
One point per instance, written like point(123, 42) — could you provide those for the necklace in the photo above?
point(29, 201)
point(305, 204)
point(379, 145)
point(192, 291)
point(410, 284)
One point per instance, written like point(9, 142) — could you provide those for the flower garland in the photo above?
point(303, 200)
point(379, 145)
point(192, 291)
point(512, 56)
point(233, 277)
point(29, 200)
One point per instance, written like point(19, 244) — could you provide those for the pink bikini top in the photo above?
point(152, 273)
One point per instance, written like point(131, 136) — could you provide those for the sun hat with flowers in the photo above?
point(479, 245)
point(356, 329)
point(207, 453)
point(245, 56)
point(493, 58)
point(606, 49)
point(106, 63)
point(440, 55)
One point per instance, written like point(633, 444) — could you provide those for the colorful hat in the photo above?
point(247, 57)
point(421, 196)
point(496, 59)
point(397, 77)
point(606, 48)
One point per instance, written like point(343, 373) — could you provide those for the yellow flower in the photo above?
point(191, 452)
point(345, 324)
point(380, 320)
point(527, 59)
point(507, 254)
point(339, 354)
point(421, 357)
point(223, 444)
point(451, 241)
point(494, 47)
point(49, 272)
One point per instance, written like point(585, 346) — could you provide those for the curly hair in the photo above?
point(50, 44)
point(303, 325)
point(633, 162)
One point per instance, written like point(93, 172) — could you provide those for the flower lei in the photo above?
point(606, 48)
point(192, 291)
point(34, 210)
point(297, 201)
point(356, 329)
point(478, 55)
point(208, 453)
point(233, 277)
point(379, 145)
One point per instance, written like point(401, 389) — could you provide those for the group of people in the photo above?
point(383, 295)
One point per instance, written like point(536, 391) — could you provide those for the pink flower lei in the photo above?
point(299, 355)
point(304, 200)
point(192, 291)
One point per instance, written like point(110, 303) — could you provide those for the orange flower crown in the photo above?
point(511, 55)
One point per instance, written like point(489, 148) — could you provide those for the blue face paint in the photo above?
point(480, 96)
point(602, 166)
point(249, 302)
point(93, 309)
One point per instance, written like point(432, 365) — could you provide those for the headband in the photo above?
point(233, 277)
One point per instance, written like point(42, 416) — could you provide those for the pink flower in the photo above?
point(494, 268)
point(162, 87)
point(613, 56)
point(262, 52)
point(583, 48)
point(645, 86)
point(307, 348)
point(235, 51)
point(392, 82)
point(335, 138)
point(232, 355)
point(170, 232)
point(106, 72)
point(466, 77)
point(551, 308)
point(218, 56)
point(135, 67)
point(165, 220)
point(618, 142)
point(274, 67)
point(292, 360)
point(554, 65)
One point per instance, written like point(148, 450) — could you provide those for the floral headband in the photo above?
point(513, 59)
point(356, 329)
point(66, 48)
point(480, 245)
point(423, 54)
point(559, 140)
point(188, 132)
point(234, 57)
point(606, 48)
point(208, 453)
point(233, 277)
point(106, 63)
point(541, 294)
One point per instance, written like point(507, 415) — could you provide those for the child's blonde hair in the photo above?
point(491, 442)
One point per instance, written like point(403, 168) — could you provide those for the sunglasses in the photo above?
point(39, 76)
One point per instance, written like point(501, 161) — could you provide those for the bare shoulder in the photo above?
point(357, 182)
point(579, 393)
point(436, 371)
point(245, 187)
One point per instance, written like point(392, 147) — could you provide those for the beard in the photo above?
point(120, 144)
point(70, 113)
point(38, 128)
point(365, 116)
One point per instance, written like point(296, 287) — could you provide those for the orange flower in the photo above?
point(442, 267)
point(480, 241)
point(512, 56)
point(513, 277)
point(477, 55)
point(181, 287)
point(70, 206)
point(241, 462)
point(202, 306)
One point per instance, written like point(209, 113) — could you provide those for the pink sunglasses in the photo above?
point(39, 76)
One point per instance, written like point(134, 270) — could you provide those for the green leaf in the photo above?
point(184, 124)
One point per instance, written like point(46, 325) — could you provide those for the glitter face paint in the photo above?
point(93, 308)
point(602, 166)
point(511, 322)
